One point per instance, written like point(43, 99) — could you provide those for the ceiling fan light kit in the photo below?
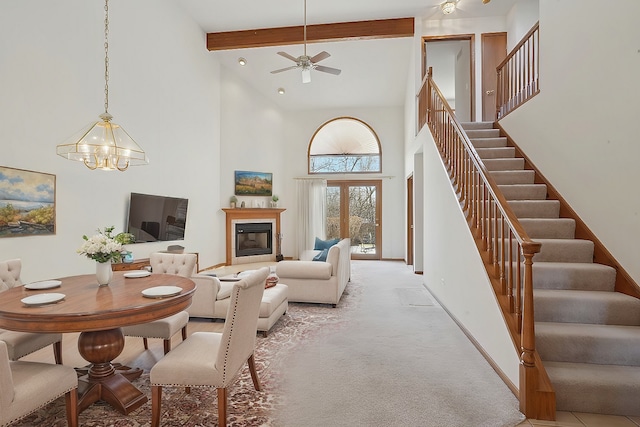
point(448, 7)
point(306, 63)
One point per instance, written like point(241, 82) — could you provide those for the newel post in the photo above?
point(528, 371)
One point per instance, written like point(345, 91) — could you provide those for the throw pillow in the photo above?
point(324, 244)
point(322, 256)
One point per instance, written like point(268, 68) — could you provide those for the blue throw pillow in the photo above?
point(322, 256)
point(324, 244)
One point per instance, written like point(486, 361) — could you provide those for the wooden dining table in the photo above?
point(98, 313)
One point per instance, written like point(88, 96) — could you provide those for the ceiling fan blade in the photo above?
point(286, 55)
point(329, 70)
point(284, 69)
point(319, 57)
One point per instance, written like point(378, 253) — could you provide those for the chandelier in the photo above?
point(103, 144)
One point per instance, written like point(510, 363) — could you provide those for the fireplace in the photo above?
point(254, 238)
point(260, 216)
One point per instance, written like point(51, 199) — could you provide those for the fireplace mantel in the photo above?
point(248, 213)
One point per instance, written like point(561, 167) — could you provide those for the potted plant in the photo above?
point(232, 201)
point(274, 203)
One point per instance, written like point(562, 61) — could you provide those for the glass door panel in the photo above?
point(362, 219)
point(353, 210)
point(333, 229)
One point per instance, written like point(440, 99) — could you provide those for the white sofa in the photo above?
point(211, 301)
point(318, 281)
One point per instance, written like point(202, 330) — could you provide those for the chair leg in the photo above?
point(167, 346)
point(184, 333)
point(57, 352)
point(146, 343)
point(222, 407)
point(254, 373)
point(71, 403)
point(156, 402)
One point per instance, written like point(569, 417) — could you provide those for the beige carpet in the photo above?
point(388, 355)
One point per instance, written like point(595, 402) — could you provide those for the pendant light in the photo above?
point(103, 144)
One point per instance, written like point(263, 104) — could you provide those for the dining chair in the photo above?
point(213, 359)
point(19, 344)
point(27, 386)
point(165, 263)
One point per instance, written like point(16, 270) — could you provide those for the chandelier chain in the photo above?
point(106, 56)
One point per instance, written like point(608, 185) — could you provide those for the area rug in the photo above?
point(247, 407)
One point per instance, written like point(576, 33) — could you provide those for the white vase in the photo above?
point(103, 272)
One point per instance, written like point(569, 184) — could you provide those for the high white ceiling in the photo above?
point(374, 72)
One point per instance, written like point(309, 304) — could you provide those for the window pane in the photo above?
point(345, 163)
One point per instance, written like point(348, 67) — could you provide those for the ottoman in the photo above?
point(274, 304)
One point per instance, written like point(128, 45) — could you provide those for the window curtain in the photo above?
point(311, 212)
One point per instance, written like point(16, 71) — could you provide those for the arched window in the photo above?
point(345, 145)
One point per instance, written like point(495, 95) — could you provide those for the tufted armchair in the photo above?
point(166, 263)
point(20, 344)
point(212, 359)
point(27, 386)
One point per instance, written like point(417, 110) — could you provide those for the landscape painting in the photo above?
point(27, 203)
point(253, 183)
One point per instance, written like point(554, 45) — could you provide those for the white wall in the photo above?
point(581, 130)
point(163, 90)
point(454, 272)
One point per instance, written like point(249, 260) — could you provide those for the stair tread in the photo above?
point(580, 387)
point(588, 329)
point(588, 343)
point(611, 374)
point(584, 294)
point(585, 306)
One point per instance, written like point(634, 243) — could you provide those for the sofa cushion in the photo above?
point(303, 270)
point(225, 290)
point(324, 244)
point(322, 256)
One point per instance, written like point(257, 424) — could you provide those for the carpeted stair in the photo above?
point(587, 335)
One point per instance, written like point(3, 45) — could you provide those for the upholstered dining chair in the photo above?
point(27, 386)
point(212, 359)
point(167, 263)
point(19, 344)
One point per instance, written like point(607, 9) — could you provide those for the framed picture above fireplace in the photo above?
point(253, 183)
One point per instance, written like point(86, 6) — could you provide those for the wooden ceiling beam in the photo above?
point(361, 30)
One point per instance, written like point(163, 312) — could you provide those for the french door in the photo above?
point(354, 210)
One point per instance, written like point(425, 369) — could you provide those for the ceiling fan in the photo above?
point(305, 62)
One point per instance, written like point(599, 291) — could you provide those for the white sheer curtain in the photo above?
point(311, 212)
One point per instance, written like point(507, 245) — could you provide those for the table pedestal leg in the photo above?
point(104, 380)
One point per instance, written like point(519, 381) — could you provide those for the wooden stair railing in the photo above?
point(506, 249)
point(518, 74)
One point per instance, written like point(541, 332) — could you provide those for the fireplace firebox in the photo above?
point(254, 238)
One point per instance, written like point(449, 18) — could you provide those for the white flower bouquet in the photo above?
point(103, 247)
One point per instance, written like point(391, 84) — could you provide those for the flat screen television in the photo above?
point(156, 218)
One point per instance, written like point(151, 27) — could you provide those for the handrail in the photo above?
point(505, 247)
point(518, 74)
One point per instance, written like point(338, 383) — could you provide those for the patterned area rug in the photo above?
point(247, 407)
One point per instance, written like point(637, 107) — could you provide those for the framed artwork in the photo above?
point(253, 183)
point(27, 203)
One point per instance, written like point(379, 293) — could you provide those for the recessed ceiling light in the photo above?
point(281, 91)
point(242, 61)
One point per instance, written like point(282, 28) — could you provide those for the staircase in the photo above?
point(587, 334)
